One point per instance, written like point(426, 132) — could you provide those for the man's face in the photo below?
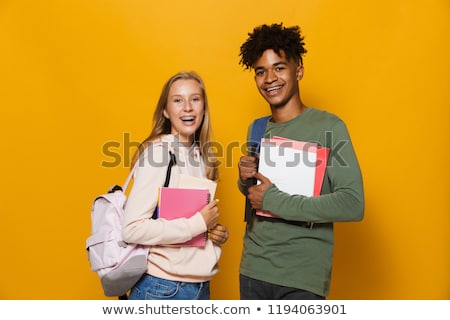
point(277, 78)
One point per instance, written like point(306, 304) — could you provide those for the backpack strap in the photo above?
point(172, 162)
point(258, 128)
point(257, 133)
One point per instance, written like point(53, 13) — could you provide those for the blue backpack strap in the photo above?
point(258, 128)
point(257, 133)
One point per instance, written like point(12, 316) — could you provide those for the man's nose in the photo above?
point(271, 76)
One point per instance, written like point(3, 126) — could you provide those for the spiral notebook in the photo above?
point(177, 203)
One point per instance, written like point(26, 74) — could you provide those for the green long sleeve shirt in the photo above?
point(287, 254)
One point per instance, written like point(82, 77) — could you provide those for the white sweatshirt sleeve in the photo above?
point(138, 225)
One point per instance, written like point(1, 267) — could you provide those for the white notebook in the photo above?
point(186, 181)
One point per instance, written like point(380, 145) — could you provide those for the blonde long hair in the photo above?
point(162, 125)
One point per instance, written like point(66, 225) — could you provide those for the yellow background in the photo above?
point(77, 74)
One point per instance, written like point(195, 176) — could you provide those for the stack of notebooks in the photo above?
point(295, 167)
point(185, 200)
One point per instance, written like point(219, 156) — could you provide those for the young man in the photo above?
point(290, 257)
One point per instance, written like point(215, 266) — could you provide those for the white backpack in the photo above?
point(118, 264)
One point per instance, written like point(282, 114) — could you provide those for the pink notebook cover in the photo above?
point(177, 203)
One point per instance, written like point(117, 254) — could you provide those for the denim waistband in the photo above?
point(200, 283)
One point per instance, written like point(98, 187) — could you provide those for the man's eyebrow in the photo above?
point(279, 63)
point(276, 64)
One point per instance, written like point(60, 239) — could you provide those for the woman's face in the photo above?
point(185, 109)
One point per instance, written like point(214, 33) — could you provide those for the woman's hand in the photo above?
point(210, 214)
point(218, 234)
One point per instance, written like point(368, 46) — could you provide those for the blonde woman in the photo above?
point(181, 125)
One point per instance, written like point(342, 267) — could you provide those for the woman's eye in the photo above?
point(197, 99)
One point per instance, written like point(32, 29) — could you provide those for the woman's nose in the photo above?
point(187, 106)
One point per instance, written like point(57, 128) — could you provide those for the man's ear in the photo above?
point(300, 71)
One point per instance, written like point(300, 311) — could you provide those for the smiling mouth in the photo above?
point(188, 119)
point(273, 89)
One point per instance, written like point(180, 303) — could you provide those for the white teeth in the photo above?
point(272, 89)
point(187, 118)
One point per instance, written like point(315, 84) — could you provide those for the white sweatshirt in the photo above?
point(189, 264)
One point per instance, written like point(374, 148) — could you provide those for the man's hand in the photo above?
point(256, 192)
point(247, 168)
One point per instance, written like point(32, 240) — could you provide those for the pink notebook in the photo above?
point(177, 203)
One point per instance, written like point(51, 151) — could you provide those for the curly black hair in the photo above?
point(275, 37)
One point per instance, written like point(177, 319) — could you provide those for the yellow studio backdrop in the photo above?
point(79, 79)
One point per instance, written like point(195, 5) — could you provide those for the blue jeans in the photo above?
point(153, 288)
point(252, 289)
